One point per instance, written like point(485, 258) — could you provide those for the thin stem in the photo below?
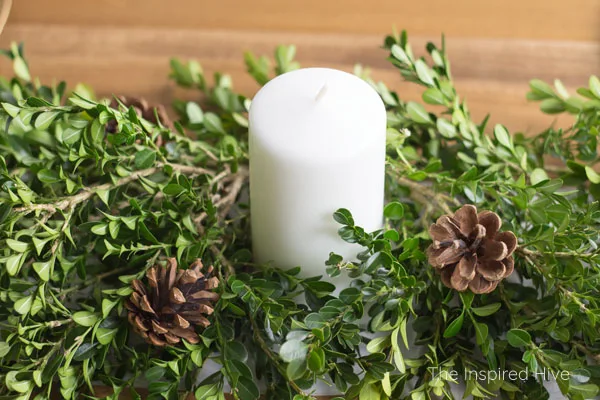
point(568, 293)
point(269, 353)
point(587, 352)
point(234, 190)
point(228, 200)
point(229, 268)
point(222, 344)
point(96, 279)
point(535, 253)
point(72, 201)
point(440, 199)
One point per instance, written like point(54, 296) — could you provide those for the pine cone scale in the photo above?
point(467, 266)
point(509, 239)
point(491, 222)
point(469, 252)
point(492, 270)
point(176, 296)
point(466, 217)
point(204, 295)
point(181, 322)
point(458, 282)
point(173, 303)
point(444, 256)
point(493, 250)
point(509, 263)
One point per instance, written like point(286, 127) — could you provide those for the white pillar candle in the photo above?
point(317, 143)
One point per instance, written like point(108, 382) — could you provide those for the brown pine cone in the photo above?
point(144, 110)
point(470, 252)
point(173, 304)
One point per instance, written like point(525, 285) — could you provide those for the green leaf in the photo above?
point(595, 86)
point(104, 195)
point(71, 135)
point(378, 344)
point(296, 369)
point(105, 335)
point(561, 89)
point(97, 132)
point(43, 121)
point(502, 136)
point(293, 350)
point(13, 264)
point(44, 269)
point(144, 159)
point(417, 113)
point(592, 175)
point(18, 246)
point(433, 96)
point(552, 106)
point(369, 392)
point(100, 229)
point(236, 351)
point(114, 228)
point(551, 186)
point(424, 73)
point(194, 113)
point(518, 338)
point(4, 349)
point(11, 109)
point(85, 318)
point(37, 378)
point(486, 310)
point(446, 128)
point(155, 373)
point(481, 332)
point(538, 175)
point(21, 69)
point(394, 210)
point(541, 88)
point(107, 306)
point(587, 391)
point(454, 327)
point(213, 124)
point(316, 360)
point(48, 176)
point(173, 189)
point(246, 388)
point(349, 295)
point(51, 367)
point(467, 299)
point(23, 305)
point(392, 235)
point(207, 392)
point(197, 357)
point(17, 385)
point(400, 54)
point(417, 176)
point(85, 351)
point(343, 216)
point(81, 101)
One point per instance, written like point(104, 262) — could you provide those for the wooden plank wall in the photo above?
point(496, 46)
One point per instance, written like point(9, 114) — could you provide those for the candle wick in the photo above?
point(321, 93)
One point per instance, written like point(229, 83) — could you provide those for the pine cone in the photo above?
point(144, 110)
point(470, 252)
point(173, 304)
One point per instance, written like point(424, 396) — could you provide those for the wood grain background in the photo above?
point(496, 46)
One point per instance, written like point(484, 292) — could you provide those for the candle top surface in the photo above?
point(317, 112)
